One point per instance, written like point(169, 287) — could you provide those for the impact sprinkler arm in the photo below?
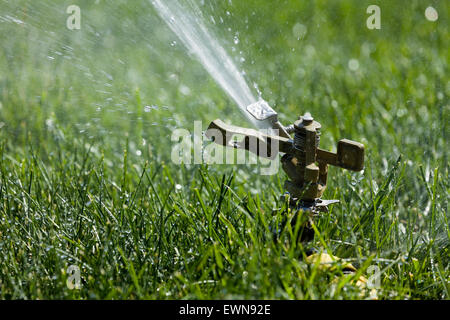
point(263, 145)
point(305, 164)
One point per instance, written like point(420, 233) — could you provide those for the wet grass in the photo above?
point(86, 177)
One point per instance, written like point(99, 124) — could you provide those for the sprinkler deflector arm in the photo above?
point(253, 140)
point(350, 154)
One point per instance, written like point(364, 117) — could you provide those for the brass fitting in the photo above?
point(305, 164)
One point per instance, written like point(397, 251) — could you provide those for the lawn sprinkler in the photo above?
point(305, 164)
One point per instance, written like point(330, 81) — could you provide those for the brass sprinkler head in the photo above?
point(305, 164)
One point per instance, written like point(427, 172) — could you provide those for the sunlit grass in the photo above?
point(86, 177)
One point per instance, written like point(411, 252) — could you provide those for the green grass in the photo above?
point(74, 190)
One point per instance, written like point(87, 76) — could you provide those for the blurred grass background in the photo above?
point(71, 102)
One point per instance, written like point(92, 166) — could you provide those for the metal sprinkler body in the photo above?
point(305, 164)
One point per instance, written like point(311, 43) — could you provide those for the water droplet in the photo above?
point(150, 108)
point(299, 31)
point(353, 64)
point(334, 104)
point(15, 20)
point(185, 90)
point(431, 14)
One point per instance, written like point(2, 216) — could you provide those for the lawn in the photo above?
point(87, 180)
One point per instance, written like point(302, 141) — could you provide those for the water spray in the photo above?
point(305, 164)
